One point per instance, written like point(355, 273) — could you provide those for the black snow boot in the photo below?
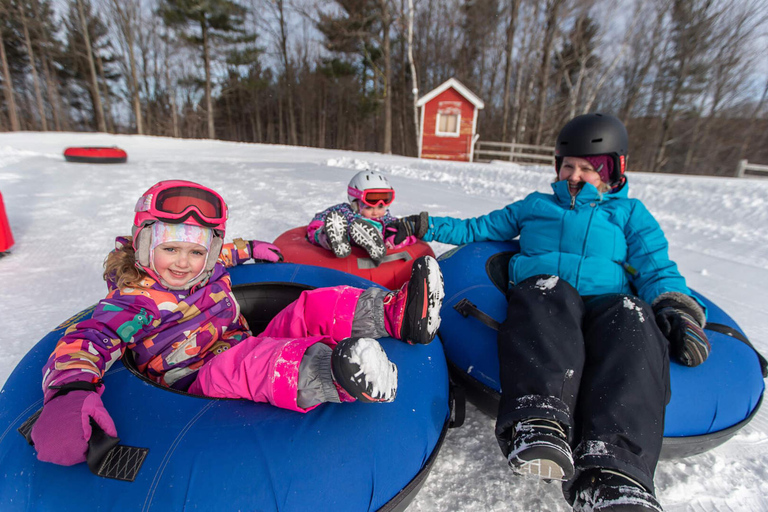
point(605, 490)
point(336, 231)
point(540, 448)
point(369, 238)
point(362, 368)
point(412, 313)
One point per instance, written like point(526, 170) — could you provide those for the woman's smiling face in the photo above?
point(578, 171)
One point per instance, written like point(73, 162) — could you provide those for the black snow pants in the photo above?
point(599, 365)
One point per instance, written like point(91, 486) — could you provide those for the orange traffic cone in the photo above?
point(6, 237)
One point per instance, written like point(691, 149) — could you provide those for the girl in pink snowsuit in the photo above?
point(171, 303)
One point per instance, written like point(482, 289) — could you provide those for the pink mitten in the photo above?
point(62, 431)
point(264, 251)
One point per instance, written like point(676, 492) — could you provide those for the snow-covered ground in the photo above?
point(65, 217)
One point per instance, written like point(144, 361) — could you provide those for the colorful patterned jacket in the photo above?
point(171, 333)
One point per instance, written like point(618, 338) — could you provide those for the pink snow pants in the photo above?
point(265, 368)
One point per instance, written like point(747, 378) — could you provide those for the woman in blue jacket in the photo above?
point(584, 367)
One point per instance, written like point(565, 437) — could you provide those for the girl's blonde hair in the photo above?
point(120, 266)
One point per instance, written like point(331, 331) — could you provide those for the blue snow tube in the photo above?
point(214, 454)
point(709, 402)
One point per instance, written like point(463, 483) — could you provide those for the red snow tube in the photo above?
point(6, 237)
point(391, 273)
point(96, 155)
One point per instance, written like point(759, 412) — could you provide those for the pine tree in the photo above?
point(201, 23)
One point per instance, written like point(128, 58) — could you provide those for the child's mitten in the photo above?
point(62, 431)
point(264, 251)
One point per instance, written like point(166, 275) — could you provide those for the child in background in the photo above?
point(363, 220)
point(171, 303)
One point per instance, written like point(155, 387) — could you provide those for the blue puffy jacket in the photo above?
point(599, 243)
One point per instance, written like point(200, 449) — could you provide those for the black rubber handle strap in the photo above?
point(78, 385)
point(109, 459)
point(105, 456)
point(368, 263)
point(458, 401)
point(733, 333)
point(26, 428)
point(466, 308)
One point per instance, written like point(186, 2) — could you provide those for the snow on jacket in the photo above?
point(318, 220)
point(171, 333)
point(599, 243)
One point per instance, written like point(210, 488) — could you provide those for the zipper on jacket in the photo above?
point(573, 202)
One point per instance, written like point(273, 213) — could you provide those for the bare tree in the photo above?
point(288, 67)
point(732, 58)
point(386, 24)
point(514, 7)
point(126, 14)
point(552, 12)
point(643, 52)
point(414, 78)
point(8, 87)
point(753, 122)
point(577, 59)
point(685, 69)
point(525, 78)
point(94, 83)
point(609, 71)
point(33, 67)
point(213, 18)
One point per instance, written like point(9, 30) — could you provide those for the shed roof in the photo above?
point(460, 88)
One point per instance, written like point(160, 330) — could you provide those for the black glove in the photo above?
point(413, 225)
point(681, 321)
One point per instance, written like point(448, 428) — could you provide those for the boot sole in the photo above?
point(336, 231)
point(347, 372)
point(429, 286)
point(541, 468)
point(546, 462)
point(369, 238)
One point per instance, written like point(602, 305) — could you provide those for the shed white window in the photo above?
point(448, 124)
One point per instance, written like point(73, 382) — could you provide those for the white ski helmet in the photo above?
point(367, 180)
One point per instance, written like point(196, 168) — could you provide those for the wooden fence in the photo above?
point(487, 151)
point(746, 167)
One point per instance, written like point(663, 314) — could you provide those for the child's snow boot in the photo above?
point(605, 490)
point(412, 313)
point(362, 368)
point(369, 238)
point(540, 448)
point(336, 232)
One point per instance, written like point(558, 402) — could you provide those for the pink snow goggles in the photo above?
point(178, 201)
point(373, 197)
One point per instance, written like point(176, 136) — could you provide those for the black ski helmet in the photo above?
point(594, 134)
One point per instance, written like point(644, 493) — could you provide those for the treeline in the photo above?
point(684, 75)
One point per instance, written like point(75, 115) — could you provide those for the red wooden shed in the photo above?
point(449, 122)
